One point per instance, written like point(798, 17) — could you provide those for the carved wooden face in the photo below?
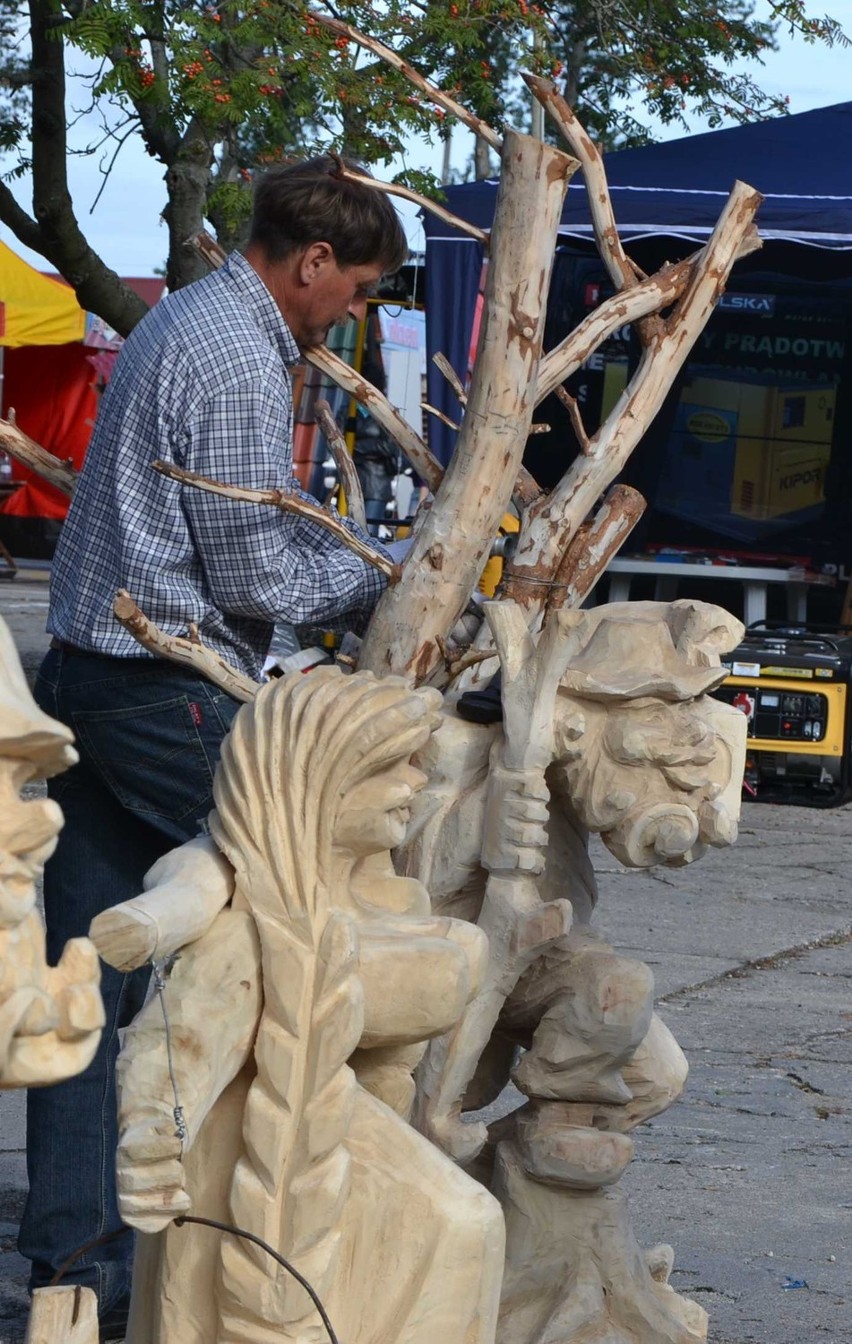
point(658, 780)
point(28, 832)
point(373, 817)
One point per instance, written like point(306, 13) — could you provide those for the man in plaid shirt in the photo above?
point(202, 382)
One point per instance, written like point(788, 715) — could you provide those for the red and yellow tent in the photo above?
point(46, 377)
point(51, 354)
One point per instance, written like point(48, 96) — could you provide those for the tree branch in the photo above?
point(455, 536)
point(551, 523)
point(570, 404)
point(412, 446)
point(617, 311)
point(20, 446)
point(188, 652)
point(434, 94)
point(621, 269)
point(445, 367)
point(287, 503)
point(409, 442)
point(24, 227)
point(343, 461)
point(593, 547)
point(439, 415)
point(61, 240)
point(396, 189)
point(651, 296)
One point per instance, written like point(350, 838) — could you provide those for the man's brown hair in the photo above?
point(309, 202)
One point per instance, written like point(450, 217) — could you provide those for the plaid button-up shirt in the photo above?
point(202, 382)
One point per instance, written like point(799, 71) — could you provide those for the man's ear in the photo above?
point(314, 260)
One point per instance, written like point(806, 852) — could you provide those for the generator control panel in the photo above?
point(788, 714)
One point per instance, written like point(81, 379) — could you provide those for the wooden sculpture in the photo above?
point(623, 741)
point(284, 918)
point(50, 1016)
point(637, 751)
point(286, 1037)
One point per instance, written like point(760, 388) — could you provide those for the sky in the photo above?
point(124, 227)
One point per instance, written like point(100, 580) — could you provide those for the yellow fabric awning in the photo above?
point(35, 310)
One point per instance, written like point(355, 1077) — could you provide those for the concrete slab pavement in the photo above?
point(749, 1175)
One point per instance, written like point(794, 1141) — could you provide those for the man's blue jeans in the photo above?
point(148, 734)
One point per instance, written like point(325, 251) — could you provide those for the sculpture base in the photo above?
point(575, 1273)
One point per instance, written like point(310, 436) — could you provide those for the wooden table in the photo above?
point(754, 580)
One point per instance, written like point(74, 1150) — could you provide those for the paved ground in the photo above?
point(750, 1175)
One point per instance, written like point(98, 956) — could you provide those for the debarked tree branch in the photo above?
point(430, 91)
point(25, 450)
point(425, 203)
point(287, 502)
point(343, 461)
point(189, 652)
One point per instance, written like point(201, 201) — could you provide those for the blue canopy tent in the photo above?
point(802, 164)
point(772, 370)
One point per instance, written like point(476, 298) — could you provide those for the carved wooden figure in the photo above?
point(50, 1016)
point(640, 754)
point(608, 728)
point(623, 741)
point(286, 1039)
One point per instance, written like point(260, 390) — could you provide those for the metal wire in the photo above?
point(81, 1251)
point(540, 583)
point(160, 970)
point(221, 1227)
point(249, 1236)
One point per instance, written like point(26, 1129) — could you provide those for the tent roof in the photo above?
point(800, 163)
point(40, 309)
point(34, 309)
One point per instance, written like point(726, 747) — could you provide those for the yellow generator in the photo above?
point(792, 683)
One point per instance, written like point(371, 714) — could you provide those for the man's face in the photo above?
point(330, 293)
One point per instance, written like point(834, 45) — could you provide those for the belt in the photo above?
point(62, 647)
